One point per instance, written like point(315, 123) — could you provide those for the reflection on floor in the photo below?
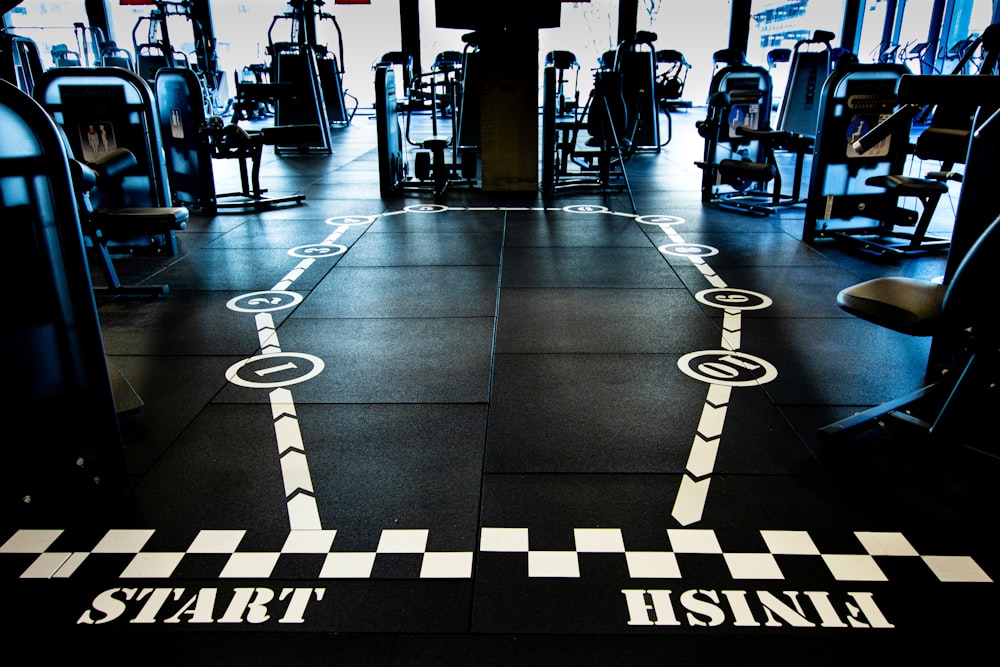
point(503, 431)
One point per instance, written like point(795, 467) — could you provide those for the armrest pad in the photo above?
point(775, 137)
point(111, 166)
point(84, 178)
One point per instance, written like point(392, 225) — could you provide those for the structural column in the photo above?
point(509, 110)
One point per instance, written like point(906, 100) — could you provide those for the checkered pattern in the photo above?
point(742, 566)
point(240, 564)
point(846, 567)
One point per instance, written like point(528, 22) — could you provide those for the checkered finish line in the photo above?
point(459, 564)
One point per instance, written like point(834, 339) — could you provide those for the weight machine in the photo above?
point(433, 172)
point(961, 378)
point(156, 51)
point(101, 110)
point(302, 61)
point(587, 150)
point(740, 166)
point(860, 175)
point(59, 366)
point(738, 162)
point(810, 63)
point(944, 140)
point(192, 140)
point(440, 160)
point(671, 75)
point(95, 183)
point(567, 69)
point(635, 61)
point(20, 61)
point(87, 53)
point(856, 98)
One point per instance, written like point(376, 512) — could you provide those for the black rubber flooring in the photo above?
point(496, 430)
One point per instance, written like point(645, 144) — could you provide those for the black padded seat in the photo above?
point(132, 221)
point(907, 305)
point(746, 170)
point(435, 143)
point(928, 191)
point(908, 186)
point(961, 394)
point(304, 135)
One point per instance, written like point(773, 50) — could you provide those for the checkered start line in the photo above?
point(459, 564)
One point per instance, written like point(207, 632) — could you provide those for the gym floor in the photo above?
point(498, 430)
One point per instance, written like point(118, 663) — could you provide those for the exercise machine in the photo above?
point(433, 172)
point(741, 169)
point(402, 66)
point(778, 61)
point(74, 460)
point(723, 58)
point(589, 149)
point(671, 76)
point(810, 64)
point(635, 62)
point(944, 140)
point(192, 140)
point(20, 61)
point(567, 69)
point(449, 91)
point(306, 78)
point(112, 55)
point(181, 117)
point(155, 51)
point(442, 94)
point(957, 398)
point(102, 222)
point(87, 52)
point(104, 108)
point(841, 204)
point(738, 163)
point(963, 366)
point(856, 176)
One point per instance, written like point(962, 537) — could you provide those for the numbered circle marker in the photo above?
point(264, 302)
point(727, 367)
point(268, 371)
point(688, 250)
point(318, 250)
point(733, 299)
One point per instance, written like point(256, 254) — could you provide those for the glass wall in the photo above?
point(962, 22)
point(870, 45)
point(696, 34)
point(913, 32)
point(130, 31)
point(356, 34)
point(967, 21)
point(434, 40)
point(779, 24)
point(51, 26)
point(367, 31)
point(588, 29)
